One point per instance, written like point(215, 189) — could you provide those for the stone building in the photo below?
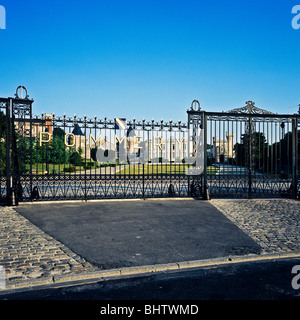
point(223, 150)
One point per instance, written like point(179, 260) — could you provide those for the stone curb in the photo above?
point(139, 199)
point(128, 272)
point(104, 200)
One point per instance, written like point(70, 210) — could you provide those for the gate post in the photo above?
point(205, 195)
point(294, 157)
point(17, 109)
point(197, 119)
point(250, 160)
point(250, 144)
point(8, 154)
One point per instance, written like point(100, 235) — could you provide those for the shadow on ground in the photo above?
point(116, 234)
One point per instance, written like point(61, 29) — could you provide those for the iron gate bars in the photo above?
point(55, 158)
point(246, 152)
point(250, 152)
point(81, 158)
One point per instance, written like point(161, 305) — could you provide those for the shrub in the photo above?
point(75, 158)
point(70, 169)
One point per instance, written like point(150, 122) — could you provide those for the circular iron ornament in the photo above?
point(195, 105)
point(20, 93)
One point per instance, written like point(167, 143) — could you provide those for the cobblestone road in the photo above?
point(272, 223)
point(26, 252)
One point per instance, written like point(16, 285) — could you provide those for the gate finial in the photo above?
point(20, 90)
point(250, 106)
point(195, 106)
point(250, 109)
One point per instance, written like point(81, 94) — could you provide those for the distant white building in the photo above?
point(153, 150)
point(169, 150)
point(223, 149)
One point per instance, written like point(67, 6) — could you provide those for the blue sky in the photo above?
point(150, 59)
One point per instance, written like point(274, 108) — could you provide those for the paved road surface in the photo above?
point(135, 233)
point(261, 280)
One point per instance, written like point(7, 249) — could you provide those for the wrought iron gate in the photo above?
point(16, 144)
point(250, 152)
point(247, 152)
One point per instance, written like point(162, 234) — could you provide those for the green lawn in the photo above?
point(40, 168)
point(161, 169)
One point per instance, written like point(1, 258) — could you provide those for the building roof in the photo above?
point(77, 131)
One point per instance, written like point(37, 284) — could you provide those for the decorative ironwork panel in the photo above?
point(249, 153)
point(246, 152)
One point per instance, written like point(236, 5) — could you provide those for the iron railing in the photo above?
point(246, 152)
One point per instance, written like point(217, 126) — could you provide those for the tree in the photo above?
point(54, 152)
point(281, 154)
point(57, 148)
point(260, 147)
point(75, 158)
